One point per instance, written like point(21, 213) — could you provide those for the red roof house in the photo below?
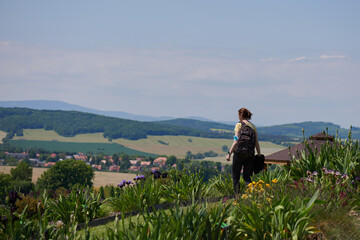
point(285, 156)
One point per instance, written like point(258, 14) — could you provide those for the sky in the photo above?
point(286, 61)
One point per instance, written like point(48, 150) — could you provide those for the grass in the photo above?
point(177, 145)
point(55, 146)
point(51, 135)
point(338, 224)
point(99, 231)
point(2, 135)
point(101, 178)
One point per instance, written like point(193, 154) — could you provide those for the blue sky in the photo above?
point(287, 61)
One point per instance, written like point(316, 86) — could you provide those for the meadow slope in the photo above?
point(161, 145)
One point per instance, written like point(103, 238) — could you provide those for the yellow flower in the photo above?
point(267, 185)
point(261, 181)
point(234, 203)
point(274, 180)
point(244, 196)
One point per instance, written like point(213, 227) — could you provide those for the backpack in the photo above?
point(246, 142)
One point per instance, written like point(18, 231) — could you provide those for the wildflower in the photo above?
point(235, 202)
point(274, 180)
point(337, 174)
point(345, 176)
point(244, 196)
point(59, 224)
point(267, 185)
point(315, 173)
point(309, 179)
point(128, 182)
point(308, 172)
point(261, 181)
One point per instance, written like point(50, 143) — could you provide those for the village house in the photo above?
point(160, 161)
point(145, 164)
point(96, 167)
point(49, 164)
point(114, 168)
point(285, 156)
point(134, 162)
point(134, 168)
point(17, 155)
point(80, 156)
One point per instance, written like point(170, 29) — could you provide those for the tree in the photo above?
point(5, 182)
point(225, 148)
point(23, 172)
point(115, 157)
point(171, 160)
point(66, 174)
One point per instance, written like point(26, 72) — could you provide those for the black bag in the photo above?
point(246, 142)
point(259, 163)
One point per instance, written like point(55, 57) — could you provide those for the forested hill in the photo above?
point(310, 128)
point(282, 132)
point(201, 125)
point(70, 123)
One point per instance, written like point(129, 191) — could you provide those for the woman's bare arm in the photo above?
point(232, 147)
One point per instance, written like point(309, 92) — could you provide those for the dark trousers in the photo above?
point(244, 162)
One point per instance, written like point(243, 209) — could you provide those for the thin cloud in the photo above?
point(267, 60)
point(298, 59)
point(332, 56)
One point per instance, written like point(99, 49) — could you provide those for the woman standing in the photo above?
point(243, 147)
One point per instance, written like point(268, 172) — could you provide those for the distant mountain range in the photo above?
point(58, 105)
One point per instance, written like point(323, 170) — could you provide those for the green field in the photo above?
point(50, 135)
point(54, 146)
point(175, 145)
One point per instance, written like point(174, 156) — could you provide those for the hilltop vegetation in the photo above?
point(310, 128)
point(276, 134)
point(71, 123)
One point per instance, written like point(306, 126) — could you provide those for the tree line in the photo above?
point(71, 123)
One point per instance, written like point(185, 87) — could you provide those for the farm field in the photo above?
point(161, 145)
point(2, 135)
point(51, 135)
point(101, 178)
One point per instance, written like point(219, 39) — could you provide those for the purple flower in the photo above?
point(357, 178)
point(142, 177)
point(315, 173)
point(337, 173)
point(128, 182)
point(309, 179)
point(308, 172)
point(345, 176)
